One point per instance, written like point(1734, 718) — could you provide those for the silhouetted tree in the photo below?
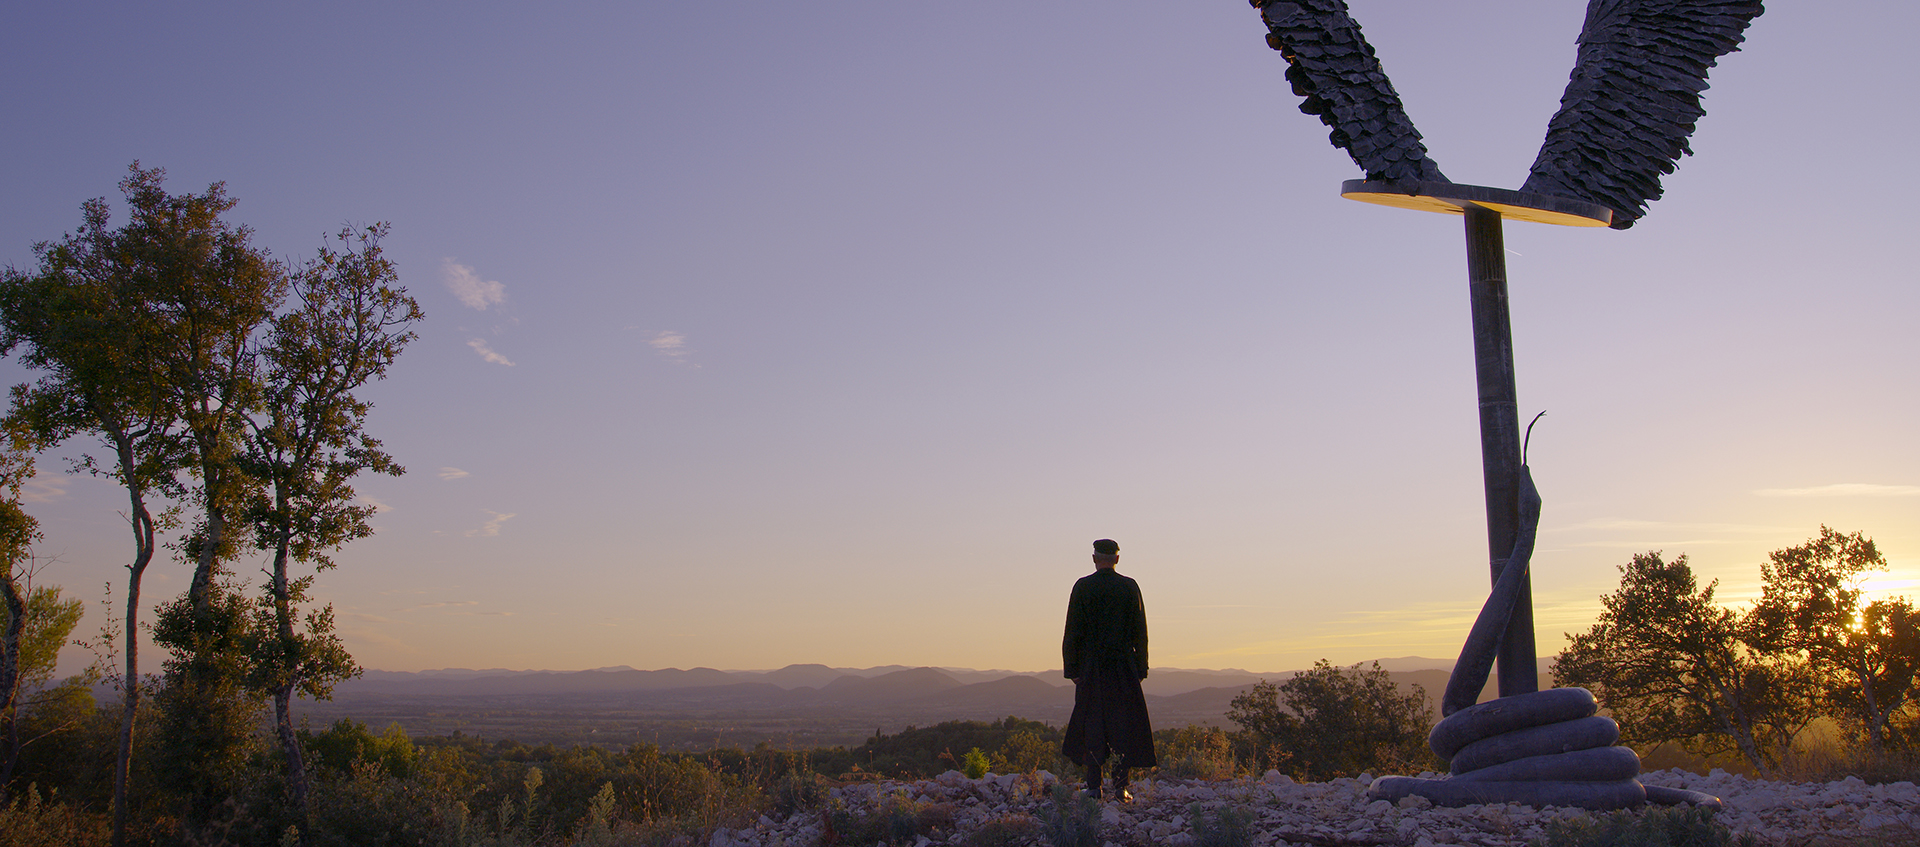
point(1865, 656)
point(1331, 721)
point(98, 316)
point(1672, 665)
point(305, 443)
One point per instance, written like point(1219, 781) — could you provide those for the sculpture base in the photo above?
point(1451, 198)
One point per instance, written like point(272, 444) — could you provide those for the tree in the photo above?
point(90, 318)
point(1672, 665)
point(1331, 722)
point(166, 337)
point(1865, 657)
point(46, 620)
point(304, 445)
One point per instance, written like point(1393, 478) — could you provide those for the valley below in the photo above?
point(798, 707)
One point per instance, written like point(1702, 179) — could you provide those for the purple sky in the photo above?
point(834, 332)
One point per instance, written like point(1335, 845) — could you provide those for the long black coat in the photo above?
point(1105, 654)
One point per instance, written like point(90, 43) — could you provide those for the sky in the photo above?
point(835, 332)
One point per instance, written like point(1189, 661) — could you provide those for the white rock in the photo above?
point(1274, 777)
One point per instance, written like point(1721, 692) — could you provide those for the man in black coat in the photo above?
point(1105, 654)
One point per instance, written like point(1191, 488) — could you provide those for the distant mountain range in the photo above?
point(813, 686)
point(798, 706)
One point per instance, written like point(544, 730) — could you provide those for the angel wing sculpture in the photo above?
point(1624, 120)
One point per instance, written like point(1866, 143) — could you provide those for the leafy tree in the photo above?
point(18, 531)
point(1672, 665)
point(46, 621)
point(94, 319)
point(1887, 641)
point(1866, 657)
point(34, 621)
point(171, 339)
point(206, 714)
point(1330, 721)
point(304, 444)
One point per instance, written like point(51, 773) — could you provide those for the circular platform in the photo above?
point(1449, 198)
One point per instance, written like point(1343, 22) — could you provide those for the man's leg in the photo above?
point(1093, 763)
point(1119, 780)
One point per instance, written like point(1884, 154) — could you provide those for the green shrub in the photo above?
point(1196, 752)
point(1030, 751)
point(30, 821)
point(798, 791)
point(1008, 830)
point(1331, 722)
point(974, 764)
point(1073, 820)
point(1228, 826)
point(896, 819)
point(1654, 826)
point(596, 826)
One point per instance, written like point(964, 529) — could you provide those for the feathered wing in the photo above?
point(1633, 99)
point(1331, 65)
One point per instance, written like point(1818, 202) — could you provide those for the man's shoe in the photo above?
point(1123, 795)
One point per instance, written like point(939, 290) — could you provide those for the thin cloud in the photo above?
point(378, 506)
point(1843, 489)
point(1670, 526)
point(1666, 544)
point(42, 490)
point(487, 352)
point(467, 285)
point(452, 473)
point(672, 345)
point(444, 604)
point(490, 528)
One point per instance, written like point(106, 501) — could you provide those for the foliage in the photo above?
point(1196, 752)
point(973, 765)
point(895, 819)
point(140, 331)
point(1671, 665)
point(1030, 750)
point(172, 338)
point(1072, 819)
point(347, 745)
point(1331, 722)
point(29, 820)
point(50, 620)
point(1653, 826)
point(798, 791)
point(920, 752)
point(1864, 658)
point(39, 709)
point(1227, 826)
point(207, 716)
point(1008, 830)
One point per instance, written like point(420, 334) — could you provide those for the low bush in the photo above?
point(1653, 826)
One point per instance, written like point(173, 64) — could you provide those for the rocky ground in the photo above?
point(1007, 810)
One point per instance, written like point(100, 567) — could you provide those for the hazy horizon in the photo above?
point(839, 332)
